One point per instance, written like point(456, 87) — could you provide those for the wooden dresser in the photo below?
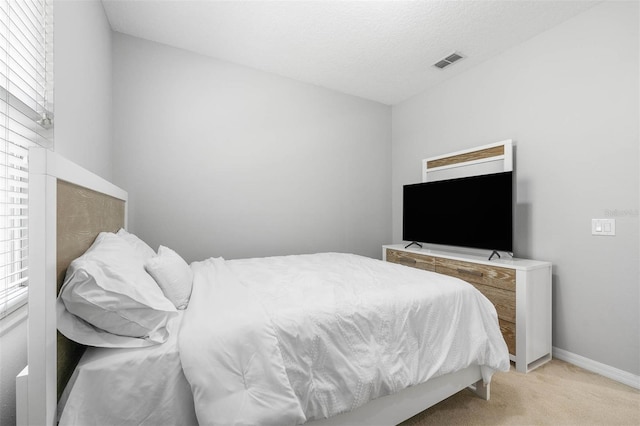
point(520, 290)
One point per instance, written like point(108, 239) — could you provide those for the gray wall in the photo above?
point(569, 99)
point(82, 55)
point(223, 160)
point(83, 84)
point(13, 358)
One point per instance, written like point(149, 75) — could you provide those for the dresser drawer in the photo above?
point(503, 300)
point(414, 260)
point(508, 330)
point(493, 276)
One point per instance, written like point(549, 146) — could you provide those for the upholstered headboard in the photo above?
point(68, 207)
point(81, 215)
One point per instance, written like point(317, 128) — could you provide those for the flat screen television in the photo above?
point(475, 212)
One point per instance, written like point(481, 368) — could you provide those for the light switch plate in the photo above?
point(603, 227)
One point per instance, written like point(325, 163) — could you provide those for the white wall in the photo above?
point(82, 67)
point(13, 358)
point(223, 160)
point(569, 99)
point(82, 62)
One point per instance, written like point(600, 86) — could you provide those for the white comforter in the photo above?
point(283, 340)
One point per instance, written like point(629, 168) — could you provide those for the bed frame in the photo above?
point(68, 207)
point(393, 409)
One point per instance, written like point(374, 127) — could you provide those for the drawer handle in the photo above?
point(408, 260)
point(466, 271)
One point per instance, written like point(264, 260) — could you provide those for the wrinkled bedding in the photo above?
point(284, 340)
point(129, 386)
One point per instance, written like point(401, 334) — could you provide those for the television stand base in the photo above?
point(412, 243)
point(496, 253)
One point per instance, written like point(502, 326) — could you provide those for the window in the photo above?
point(26, 119)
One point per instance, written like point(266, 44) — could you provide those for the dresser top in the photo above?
point(514, 263)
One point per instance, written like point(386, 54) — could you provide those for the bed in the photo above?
point(305, 315)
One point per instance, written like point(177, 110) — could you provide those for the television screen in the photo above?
point(474, 211)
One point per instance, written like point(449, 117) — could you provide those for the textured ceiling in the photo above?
point(378, 50)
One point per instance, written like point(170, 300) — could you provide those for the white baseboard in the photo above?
point(605, 370)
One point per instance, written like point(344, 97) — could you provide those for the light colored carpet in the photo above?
point(556, 393)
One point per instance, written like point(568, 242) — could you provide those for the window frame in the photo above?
point(26, 120)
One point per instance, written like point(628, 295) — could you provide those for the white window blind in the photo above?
point(26, 118)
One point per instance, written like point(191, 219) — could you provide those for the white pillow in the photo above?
point(172, 274)
point(140, 246)
point(107, 291)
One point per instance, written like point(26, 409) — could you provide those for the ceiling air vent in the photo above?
point(443, 63)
